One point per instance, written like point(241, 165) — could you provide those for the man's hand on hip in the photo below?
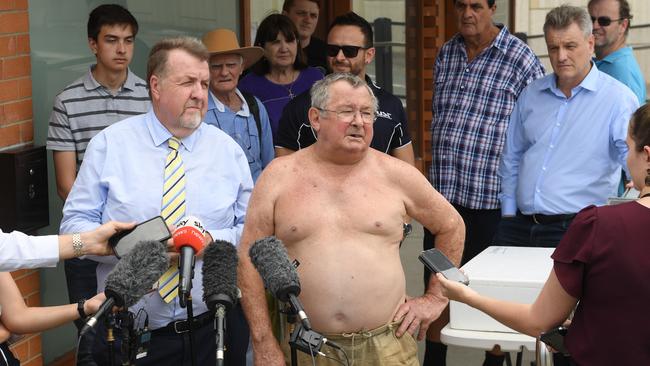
point(418, 313)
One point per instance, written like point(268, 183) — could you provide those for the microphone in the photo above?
point(270, 258)
point(132, 278)
point(188, 239)
point(220, 285)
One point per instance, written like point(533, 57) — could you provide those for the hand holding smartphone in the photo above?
point(152, 229)
point(555, 339)
point(436, 262)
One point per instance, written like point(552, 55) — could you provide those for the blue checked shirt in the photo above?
point(472, 103)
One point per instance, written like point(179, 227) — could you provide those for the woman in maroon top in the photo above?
point(602, 265)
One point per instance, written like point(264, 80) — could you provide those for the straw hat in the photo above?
point(224, 41)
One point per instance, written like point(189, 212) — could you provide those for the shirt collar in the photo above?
point(590, 82)
point(90, 83)
point(160, 134)
point(215, 103)
point(614, 56)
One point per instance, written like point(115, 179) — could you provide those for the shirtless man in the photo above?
point(339, 206)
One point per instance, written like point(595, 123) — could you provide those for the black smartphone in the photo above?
point(152, 229)
point(555, 339)
point(436, 262)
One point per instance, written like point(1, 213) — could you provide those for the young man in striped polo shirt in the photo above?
point(108, 92)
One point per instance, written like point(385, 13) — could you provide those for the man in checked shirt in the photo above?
point(478, 76)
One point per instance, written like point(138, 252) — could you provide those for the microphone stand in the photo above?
point(110, 338)
point(190, 322)
point(220, 327)
point(219, 303)
point(303, 339)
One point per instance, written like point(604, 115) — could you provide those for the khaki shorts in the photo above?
point(377, 347)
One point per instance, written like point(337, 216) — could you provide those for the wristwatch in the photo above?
point(80, 309)
point(77, 245)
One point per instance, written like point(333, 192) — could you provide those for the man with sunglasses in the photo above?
point(349, 49)
point(611, 20)
point(478, 76)
point(339, 206)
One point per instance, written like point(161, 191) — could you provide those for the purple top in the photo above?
point(604, 261)
point(276, 96)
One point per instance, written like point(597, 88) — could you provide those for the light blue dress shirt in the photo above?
point(18, 250)
point(622, 66)
point(563, 154)
point(121, 178)
point(241, 126)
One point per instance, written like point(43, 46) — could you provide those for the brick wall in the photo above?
point(16, 129)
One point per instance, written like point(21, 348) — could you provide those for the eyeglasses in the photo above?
point(348, 51)
point(605, 21)
point(347, 116)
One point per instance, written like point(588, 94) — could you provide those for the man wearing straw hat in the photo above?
point(239, 114)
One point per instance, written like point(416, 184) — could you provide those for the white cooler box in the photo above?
point(507, 273)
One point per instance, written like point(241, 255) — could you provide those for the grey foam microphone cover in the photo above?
point(136, 272)
point(219, 273)
point(271, 259)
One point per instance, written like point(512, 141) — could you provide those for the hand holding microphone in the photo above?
point(189, 239)
point(132, 278)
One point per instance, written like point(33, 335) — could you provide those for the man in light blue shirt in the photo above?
point(565, 143)
point(228, 108)
point(611, 21)
point(121, 178)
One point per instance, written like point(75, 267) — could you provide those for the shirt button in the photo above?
point(466, 70)
point(552, 146)
point(543, 168)
point(537, 190)
point(462, 87)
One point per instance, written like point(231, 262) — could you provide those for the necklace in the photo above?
point(289, 87)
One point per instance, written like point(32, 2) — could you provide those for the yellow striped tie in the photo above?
point(173, 209)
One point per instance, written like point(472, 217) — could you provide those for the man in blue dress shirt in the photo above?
point(122, 177)
point(565, 144)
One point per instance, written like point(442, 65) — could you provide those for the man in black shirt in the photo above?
point(304, 14)
point(349, 49)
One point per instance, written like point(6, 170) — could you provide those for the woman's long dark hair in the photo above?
point(268, 30)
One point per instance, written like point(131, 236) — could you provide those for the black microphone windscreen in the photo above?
point(136, 272)
point(271, 259)
point(220, 270)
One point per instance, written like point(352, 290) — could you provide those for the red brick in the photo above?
point(7, 46)
point(35, 347)
point(22, 44)
point(9, 90)
point(26, 131)
point(21, 5)
point(24, 87)
point(19, 273)
point(33, 299)
point(9, 135)
point(20, 350)
point(17, 22)
point(37, 361)
point(28, 284)
point(18, 111)
point(7, 4)
point(16, 67)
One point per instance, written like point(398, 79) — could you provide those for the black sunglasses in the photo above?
point(348, 51)
point(605, 21)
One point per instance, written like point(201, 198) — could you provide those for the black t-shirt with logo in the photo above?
point(390, 128)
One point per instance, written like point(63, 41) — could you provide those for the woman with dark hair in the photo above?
point(282, 73)
point(602, 264)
